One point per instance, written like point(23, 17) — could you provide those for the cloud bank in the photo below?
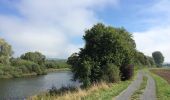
point(49, 26)
point(157, 36)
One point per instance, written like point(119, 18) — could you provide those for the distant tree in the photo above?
point(158, 58)
point(36, 57)
point(105, 48)
point(141, 59)
point(5, 52)
point(151, 61)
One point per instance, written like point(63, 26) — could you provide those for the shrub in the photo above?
point(62, 90)
point(1, 72)
point(27, 66)
point(127, 72)
point(111, 73)
point(49, 64)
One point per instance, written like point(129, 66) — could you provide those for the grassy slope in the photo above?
point(102, 91)
point(163, 88)
point(108, 93)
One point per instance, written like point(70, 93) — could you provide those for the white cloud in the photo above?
point(157, 36)
point(155, 39)
point(50, 25)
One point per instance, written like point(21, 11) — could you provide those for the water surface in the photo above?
point(19, 88)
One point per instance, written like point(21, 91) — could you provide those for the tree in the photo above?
point(103, 45)
point(5, 52)
point(158, 58)
point(36, 57)
point(141, 59)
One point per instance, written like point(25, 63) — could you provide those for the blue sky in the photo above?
point(56, 27)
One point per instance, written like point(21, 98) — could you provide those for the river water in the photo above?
point(20, 88)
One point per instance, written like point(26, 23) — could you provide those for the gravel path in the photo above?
point(150, 91)
point(126, 94)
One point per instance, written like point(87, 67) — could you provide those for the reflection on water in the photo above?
point(20, 88)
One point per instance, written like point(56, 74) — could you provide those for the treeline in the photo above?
point(30, 63)
point(109, 55)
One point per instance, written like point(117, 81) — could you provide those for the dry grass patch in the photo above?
point(72, 95)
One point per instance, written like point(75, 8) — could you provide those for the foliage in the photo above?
point(158, 58)
point(127, 72)
point(5, 51)
point(111, 73)
point(143, 60)
point(36, 57)
point(103, 45)
point(62, 90)
point(56, 64)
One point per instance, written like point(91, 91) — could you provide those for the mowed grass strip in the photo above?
point(162, 87)
point(137, 93)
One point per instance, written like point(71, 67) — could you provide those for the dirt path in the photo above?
point(150, 91)
point(126, 94)
point(148, 94)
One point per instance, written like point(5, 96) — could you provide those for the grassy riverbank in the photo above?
point(102, 91)
point(22, 68)
point(162, 87)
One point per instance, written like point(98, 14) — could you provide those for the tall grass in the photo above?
point(101, 91)
point(77, 95)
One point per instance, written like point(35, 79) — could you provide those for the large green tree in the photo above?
point(5, 51)
point(158, 58)
point(105, 48)
point(36, 57)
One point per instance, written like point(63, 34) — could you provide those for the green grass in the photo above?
point(101, 91)
point(113, 91)
point(162, 88)
point(108, 94)
point(137, 93)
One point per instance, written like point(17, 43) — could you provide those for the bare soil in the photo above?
point(164, 73)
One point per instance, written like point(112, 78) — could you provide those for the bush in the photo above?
point(27, 66)
point(111, 73)
point(1, 72)
point(127, 72)
point(49, 64)
point(56, 64)
point(62, 90)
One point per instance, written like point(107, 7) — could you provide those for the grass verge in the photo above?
point(102, 91)
point(162, 88)
point(137, 93)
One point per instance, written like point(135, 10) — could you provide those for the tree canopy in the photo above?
point(36, 57)
point(5, 51)
point(158, 58)
point(105, 48)
point(141, 59)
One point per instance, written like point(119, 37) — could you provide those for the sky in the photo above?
point(56, 27)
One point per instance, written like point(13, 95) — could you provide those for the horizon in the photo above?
point(55, 28)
